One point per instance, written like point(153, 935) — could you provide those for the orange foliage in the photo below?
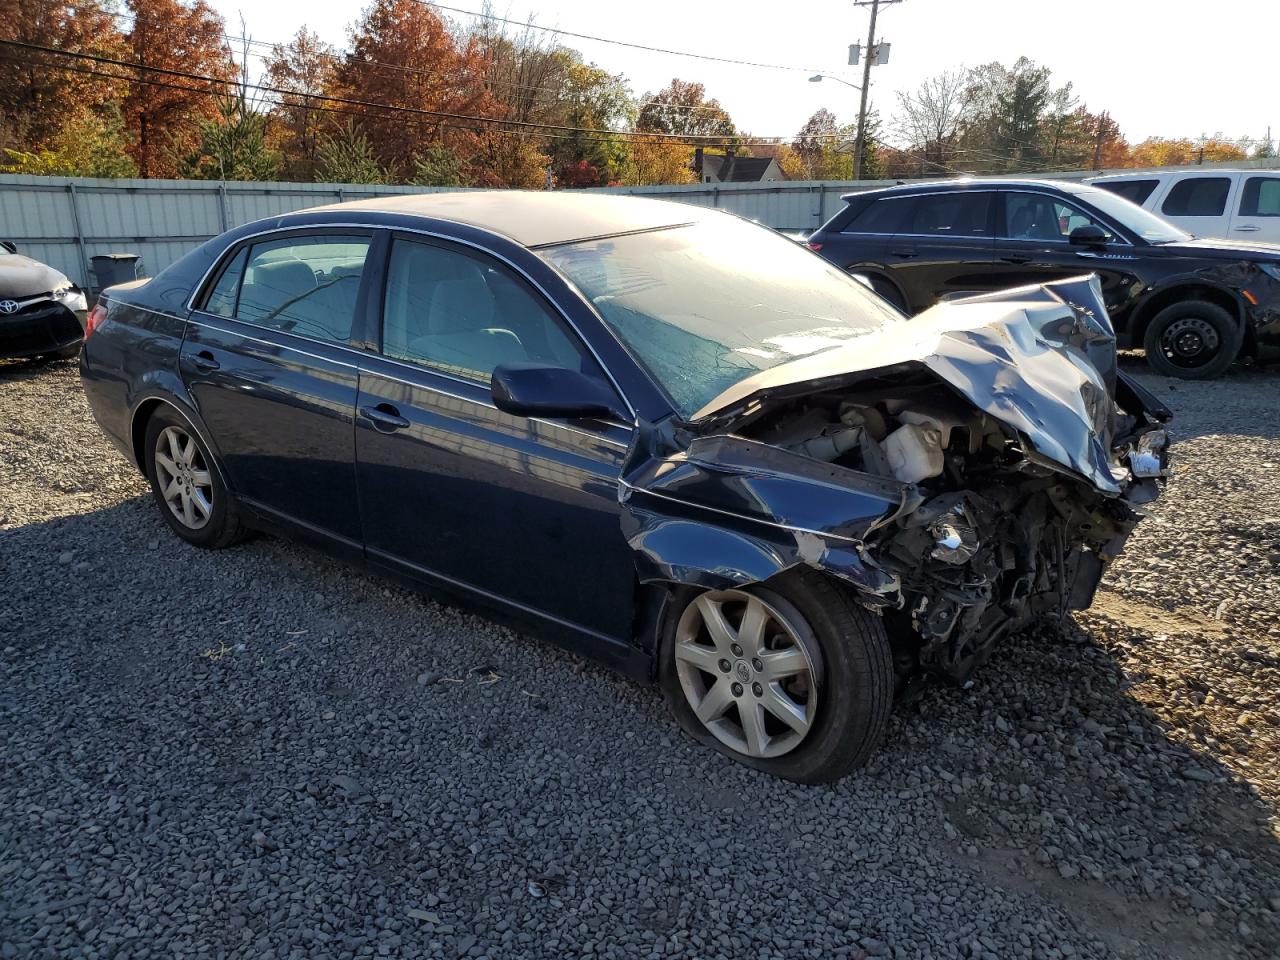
point(164, 121)
point(431, 71)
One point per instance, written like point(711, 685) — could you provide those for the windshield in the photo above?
point(707, 305)
point(1145, 224)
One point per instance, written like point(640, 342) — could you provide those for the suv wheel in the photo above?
point(796, 681)
point(1193, 340)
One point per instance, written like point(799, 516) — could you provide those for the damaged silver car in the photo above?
point(661, 436)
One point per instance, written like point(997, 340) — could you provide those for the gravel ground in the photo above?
point(263, 752)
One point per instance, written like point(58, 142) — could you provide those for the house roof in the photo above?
point(739, 169)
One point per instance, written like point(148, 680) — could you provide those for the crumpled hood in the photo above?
point(23, 277)
point(1040, 359)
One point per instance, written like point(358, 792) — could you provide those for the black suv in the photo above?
point(1195, 305)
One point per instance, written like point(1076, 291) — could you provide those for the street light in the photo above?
point(818, 78)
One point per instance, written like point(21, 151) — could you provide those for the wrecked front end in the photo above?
point(965, 473)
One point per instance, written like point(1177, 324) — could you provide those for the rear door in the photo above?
point(268, 361)
point(1257, 214)
point(1201, 203)
point(945, 247)
point(455, 491)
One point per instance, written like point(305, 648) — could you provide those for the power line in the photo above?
point(618, 43)
point(343, 56)
point(631, 135)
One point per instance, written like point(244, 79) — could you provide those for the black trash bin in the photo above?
point(112, 268)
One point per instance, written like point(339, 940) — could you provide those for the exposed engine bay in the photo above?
point(989, 538)
point(965, 473)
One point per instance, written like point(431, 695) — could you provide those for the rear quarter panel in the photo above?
point(133, 353)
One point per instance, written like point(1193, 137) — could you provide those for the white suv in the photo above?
point(1230, 204)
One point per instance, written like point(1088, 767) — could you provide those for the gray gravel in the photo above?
point(263, 752)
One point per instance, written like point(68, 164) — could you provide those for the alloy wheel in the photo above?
point(1190, 342)
point(183, 477)
point(750, 673)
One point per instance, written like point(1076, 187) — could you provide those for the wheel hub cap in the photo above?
point(1190, 341)
point(183, 477)
point(749, 673)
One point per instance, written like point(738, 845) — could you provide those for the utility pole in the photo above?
point(869, 56)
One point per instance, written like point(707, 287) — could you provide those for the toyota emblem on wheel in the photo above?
point(8, 306)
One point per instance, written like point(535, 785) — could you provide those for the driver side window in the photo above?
point(464, 315)
point(1037, 216)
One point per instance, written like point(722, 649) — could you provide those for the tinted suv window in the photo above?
point(1135, 191)
point(465, 315)
point(952, 215)
point(1261, 197)
point(1038, 216)
point(890, 215)
point(304, 285)
point(1197, 197)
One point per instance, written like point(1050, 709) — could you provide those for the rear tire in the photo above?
point(851, 677)
point(187, 484)
point(1192, 340)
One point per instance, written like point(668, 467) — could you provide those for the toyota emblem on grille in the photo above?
point(8, 306)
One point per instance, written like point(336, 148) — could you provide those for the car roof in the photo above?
point(957, 183)
point(1192, 172)
point(535, 217)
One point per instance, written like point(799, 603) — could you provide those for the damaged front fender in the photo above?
point(727, 512)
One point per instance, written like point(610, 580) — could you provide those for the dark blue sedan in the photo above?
point(656, 434)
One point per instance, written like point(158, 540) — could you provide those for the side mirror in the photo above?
point(9, 245)
point(1089, 235)
point(540, 390)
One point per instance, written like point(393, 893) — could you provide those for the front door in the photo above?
point(1035, 246)
point(267, 361)
point(453, 490)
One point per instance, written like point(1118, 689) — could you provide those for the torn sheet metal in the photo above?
point(1039, 359)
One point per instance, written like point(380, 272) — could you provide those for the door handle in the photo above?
point(204, 362)
point(904, 254)
point(1017, 258)
point(1248, 228)
point(384, 417)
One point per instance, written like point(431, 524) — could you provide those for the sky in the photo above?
point(1161, 67)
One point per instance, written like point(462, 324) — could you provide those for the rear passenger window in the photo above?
point(1135, 191)
point(465, 315)
point(304, 285)
point(1261, 197)
point(890, 215)
point(952, 215)
point(221, 301)
point(1197, 197)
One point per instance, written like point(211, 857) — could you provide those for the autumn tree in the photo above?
point(164, 112)
point(654, 158)
point(42, 95)
point(682, 109)
point(592, 99)
point(402, 55)
point(303, 69)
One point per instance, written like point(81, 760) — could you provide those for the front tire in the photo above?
point(1192, 340)
point(188, 488)
point(809, 683)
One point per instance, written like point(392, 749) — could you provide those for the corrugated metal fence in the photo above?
point(65, 222)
